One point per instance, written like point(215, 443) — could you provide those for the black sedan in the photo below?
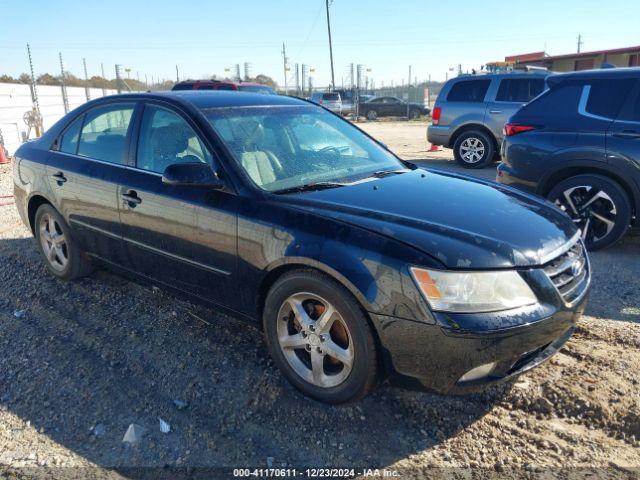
point(358, 266)
point(392, 107)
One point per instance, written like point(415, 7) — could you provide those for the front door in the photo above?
point(182, 236)
point(84, 171)
point(623, 137)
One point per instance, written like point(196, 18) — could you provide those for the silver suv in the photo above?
point(330, 100)
point(471, 111)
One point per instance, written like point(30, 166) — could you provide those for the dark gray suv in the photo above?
point(471, 111)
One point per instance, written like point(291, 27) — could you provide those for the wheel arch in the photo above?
point(35, 202)
point(289, 264)
point(562, 174)
point(473, 126)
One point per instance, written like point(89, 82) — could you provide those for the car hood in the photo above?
point(465, 223)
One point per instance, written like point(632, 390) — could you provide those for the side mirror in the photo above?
point(194, 174)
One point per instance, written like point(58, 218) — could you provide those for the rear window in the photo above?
point(606, 96)
point(183, 86)
point(631, 109)
point(331, 96)
point(469, 91)
point(521, 90)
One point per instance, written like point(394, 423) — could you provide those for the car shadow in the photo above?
point(83, 360)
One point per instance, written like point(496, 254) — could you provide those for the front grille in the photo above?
point(569, 272)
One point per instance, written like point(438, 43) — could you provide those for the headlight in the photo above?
point(465, 292)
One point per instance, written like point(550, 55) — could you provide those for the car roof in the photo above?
point(490, 76)
point(215, 98)
point(597, 74)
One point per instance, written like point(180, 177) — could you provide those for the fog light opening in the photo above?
point(478, 372)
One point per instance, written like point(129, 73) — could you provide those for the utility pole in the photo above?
point(86, 80)
point(351, 72)
point(297, 79)
point(177, 74)
point(34, 94)
point(118, 78)
point(284, 63)
point(104, 80)
point(333, 81)
point(580, 42)
point(65, 100)
point(238, 77)
point(304, 77)
point(247, 71)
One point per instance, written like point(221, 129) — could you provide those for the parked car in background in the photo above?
point(348, 97)
point(329, 100)
point(471, 110)
point(357, 265)
point(579, 145)
point(391, 107)
point(224, 85)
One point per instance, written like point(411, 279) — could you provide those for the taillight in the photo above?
point(514, 129)
point(435, 115)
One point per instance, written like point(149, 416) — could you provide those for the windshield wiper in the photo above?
point(384, 173)
point(308, 187)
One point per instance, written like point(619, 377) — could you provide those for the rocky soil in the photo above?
point(81, 361)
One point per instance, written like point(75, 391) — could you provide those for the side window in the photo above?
point(104, 133)
point(165, 139)
point(520, 90)
point(631, 110)
point(469, 91)
point(605, 97)
point(69, 143)
point(562, 100)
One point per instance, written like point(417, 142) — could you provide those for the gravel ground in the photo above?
point(82, 361)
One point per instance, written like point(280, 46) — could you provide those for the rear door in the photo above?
point(182, 236)
point(509, 96)
point(84, 172)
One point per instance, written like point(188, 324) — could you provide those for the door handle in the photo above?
point(629, 134)
point(59, 178)
point(132, 198)
point(495, 111)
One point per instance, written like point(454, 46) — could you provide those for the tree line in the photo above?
point(98, 81)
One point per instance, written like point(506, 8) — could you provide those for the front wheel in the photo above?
point(473, 149)
point(414, 114)
point(598, 206)
point(372, 115)
point(319, 337)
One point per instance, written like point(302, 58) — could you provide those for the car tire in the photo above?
point(63, 257)
point(333, 362)
point(598, 205)
point(414, 114)
point(372, 115)
point(474, 149)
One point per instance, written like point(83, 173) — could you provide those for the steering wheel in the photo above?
point(330, 149)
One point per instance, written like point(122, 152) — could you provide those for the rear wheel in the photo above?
point(61, 253)
point(473, 149)
point(414, 114)
point(598, 205)
point(319, 337)
point(372, 115)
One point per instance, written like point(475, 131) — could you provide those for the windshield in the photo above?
point(257, 89)
point(284, 147)
point(331, 96)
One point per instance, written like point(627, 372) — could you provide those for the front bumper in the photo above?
point(430, 356)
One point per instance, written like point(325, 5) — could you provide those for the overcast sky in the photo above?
point(205, 37)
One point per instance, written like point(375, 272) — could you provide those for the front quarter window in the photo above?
point(284, 147)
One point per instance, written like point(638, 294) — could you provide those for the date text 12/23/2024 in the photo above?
point(314, 473)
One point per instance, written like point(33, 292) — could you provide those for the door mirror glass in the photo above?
point(195, 174)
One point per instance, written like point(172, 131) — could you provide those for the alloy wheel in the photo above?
point(53, 242)
point(472, 150)
point(591, 209)
point(315, 340)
